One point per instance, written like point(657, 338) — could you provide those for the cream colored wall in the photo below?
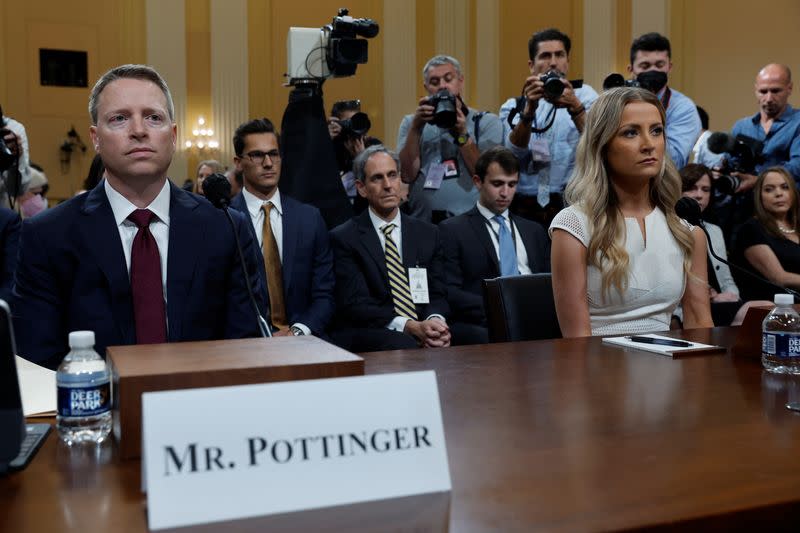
point(111, 33)
point(716, 51)
point(740, 37)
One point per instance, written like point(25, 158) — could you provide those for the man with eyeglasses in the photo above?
point(292, 236)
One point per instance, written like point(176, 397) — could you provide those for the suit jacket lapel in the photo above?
point(478, 223)
point(410, 249)
point(525, 237)
point(185, 240)
point(99, 228)
point(370, 241)
point(290, 232)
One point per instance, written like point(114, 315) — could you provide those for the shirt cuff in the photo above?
point(437, 316)
point(305, 329)
point(398, 323)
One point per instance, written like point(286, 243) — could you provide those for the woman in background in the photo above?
point(204, 170)
point(727, 308)
point(622, 260)
point(768, 242)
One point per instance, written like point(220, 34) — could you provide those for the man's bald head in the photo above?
point(773, 88)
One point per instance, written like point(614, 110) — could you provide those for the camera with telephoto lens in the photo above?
point(444, 109)
point(356, 126)
point(746, 153)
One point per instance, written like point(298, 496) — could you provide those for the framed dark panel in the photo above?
point(63, 68)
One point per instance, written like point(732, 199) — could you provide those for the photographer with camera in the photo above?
point(14, 160)
point(543, 126)
point(651, 62)
point(348, 127)
point(776, 125)
point(440, 143)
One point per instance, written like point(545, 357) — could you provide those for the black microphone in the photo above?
point(689, 210)
point(720, 142)
point(217, 189)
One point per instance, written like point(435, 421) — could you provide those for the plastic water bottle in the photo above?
point(84, 392)
point(780, 338)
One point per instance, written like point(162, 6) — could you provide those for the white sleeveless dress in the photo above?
point(656, 279)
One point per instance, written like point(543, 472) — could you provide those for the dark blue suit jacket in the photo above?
point(72, 276)
point(470, 258)
point(307, 264)
point(10, 225)
point(363, 294)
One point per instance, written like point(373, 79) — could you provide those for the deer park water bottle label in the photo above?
point(83, 401)
point(781, 344)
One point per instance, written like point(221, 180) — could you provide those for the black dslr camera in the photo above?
point(747, 154)
point(356, 126)
point(553, 86)
point(444, 109)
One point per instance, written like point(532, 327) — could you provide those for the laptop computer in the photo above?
point(18, 441)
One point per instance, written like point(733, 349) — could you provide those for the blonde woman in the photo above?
point(769, 243)
point(204, 170)
point(622, 260)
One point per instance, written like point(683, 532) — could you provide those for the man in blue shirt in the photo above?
point(652, 53)
point(546, 154)
point(776, 124)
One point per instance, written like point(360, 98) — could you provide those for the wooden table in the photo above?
point(556, 435)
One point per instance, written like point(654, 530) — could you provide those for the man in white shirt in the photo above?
point(136, 260)
point(389, 289)
point(293, 239)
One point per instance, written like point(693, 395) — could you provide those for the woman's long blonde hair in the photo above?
point(590, 189)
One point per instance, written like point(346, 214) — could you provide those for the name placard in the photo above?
point(226, 453)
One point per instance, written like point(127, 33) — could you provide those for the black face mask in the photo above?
point(652, 80)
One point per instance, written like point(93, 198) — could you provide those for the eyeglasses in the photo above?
point(258, 157)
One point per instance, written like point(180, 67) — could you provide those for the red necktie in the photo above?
point(148, 296)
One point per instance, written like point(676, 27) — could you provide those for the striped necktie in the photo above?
point(398, 280)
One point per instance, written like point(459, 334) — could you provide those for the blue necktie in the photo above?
point(508, 253)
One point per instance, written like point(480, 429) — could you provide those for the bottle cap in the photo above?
point(784, 299)
point(81, 339)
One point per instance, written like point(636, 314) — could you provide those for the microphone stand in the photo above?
point(263, 326)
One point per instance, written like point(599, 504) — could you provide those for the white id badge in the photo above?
point(418, 283)
point(434, 176)
point(540, 150)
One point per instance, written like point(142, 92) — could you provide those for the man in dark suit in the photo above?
point(481, 244)
point(293, 237)
point(10, 225)
point(389, 288)
point(137, 260)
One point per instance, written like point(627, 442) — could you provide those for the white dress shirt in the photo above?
point(494, 232)
point(398, 323)
point(159, 228)
point(254, 204)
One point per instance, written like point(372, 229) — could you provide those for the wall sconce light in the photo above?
point(69, 145)
point(202, 137)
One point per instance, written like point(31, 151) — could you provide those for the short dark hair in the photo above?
point(130, 71)
point(650, 42)
point(703, 117)
point(258, 125)
point(500, 155)
point(345, 105)
point(692, 173)
point(550, 34)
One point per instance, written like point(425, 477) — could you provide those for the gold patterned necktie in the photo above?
point(272, 262)
point(398, 280)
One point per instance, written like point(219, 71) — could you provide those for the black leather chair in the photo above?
point(520, 308)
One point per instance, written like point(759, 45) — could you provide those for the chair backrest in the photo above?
point(520, 308)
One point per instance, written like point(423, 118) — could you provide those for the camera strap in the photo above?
point(476, 118)
point(666, 98)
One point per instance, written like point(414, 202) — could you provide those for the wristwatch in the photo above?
point(461, 139)
point(296, 331)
